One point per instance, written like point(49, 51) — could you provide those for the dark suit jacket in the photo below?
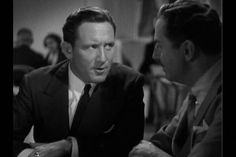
point(111, 125)
point(205, 138)
point(24, 55)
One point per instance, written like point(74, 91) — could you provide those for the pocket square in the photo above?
point(109, 129)
point(199, 129)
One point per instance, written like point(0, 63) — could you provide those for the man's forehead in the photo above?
point(159, 27)
point(96, 32)
point(160, 23)
point(95, 26)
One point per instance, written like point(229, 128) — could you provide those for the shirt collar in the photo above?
point(75, 84)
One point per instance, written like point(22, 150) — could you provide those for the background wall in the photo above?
point(44, 16)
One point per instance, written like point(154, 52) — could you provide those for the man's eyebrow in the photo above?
point(111, 42)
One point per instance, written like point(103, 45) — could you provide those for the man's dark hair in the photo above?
point(195, 21)
point(87, 14)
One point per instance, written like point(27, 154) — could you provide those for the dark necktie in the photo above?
point(84, 99)
point(191, 109)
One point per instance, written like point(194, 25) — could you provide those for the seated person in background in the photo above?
point(23, 54)
point(148, 62)
point(53, 43)
point(86, 106)
point(188, 44)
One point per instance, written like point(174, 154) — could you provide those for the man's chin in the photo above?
point(98, 79)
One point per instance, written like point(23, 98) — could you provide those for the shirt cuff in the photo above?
point(25, 152)
point(75, 150)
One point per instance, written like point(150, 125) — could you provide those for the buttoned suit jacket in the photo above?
point(112, 123)
point(204, 137)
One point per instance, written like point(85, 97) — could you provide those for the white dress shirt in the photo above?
point(75, 91)
point(76, 87)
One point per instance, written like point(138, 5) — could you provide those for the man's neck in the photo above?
point(198, 69)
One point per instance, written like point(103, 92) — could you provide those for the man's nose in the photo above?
point(101, 55)
point(156, 54)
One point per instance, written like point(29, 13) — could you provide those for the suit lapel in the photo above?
point(57, 91)
point(180, 135)
point(206, 103)
point(182, 146)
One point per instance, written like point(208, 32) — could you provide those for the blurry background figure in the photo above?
point(25, 59)
point(119, 56)
point(52, 42)
point(23, 54)
point(147, 64)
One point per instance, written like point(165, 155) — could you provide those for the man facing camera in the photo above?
point(85, 106)
point(188, 44)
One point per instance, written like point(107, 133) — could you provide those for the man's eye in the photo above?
point(94, 46)
point(157, 47)
point(109, 46)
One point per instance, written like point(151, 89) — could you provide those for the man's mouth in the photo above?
point(100, 70)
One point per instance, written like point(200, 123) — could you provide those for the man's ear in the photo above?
point(67, 49)
point(189, 50)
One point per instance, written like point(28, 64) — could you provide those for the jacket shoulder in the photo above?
point(44, 74)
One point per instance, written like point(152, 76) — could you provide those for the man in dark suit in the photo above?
point(106, 119)
point(23, 54)
point(24, 57)
point(188, 44)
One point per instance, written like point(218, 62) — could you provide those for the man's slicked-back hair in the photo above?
point(195, 21)
point(82, 15)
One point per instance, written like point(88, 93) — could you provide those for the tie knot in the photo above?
point(192, 101)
